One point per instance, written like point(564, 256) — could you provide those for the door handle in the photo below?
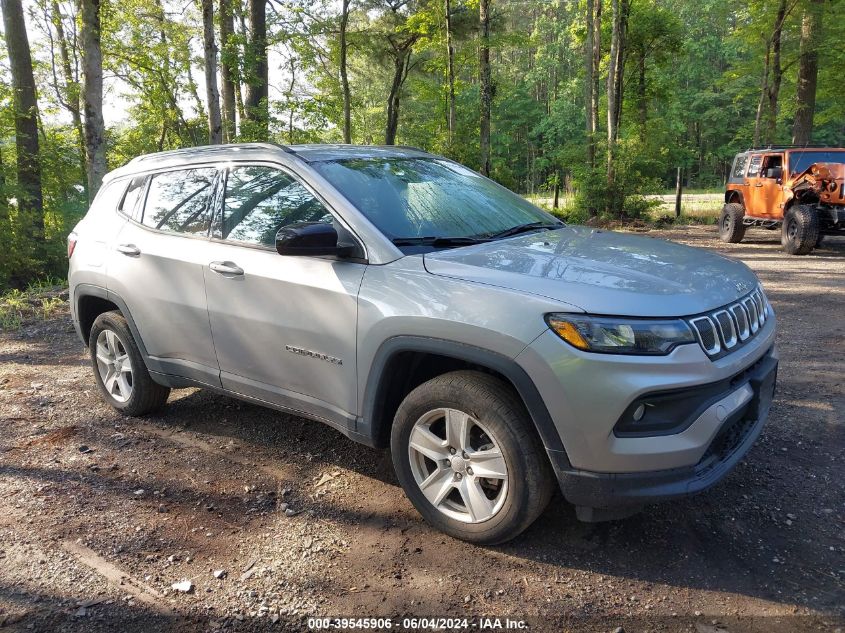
point(130, 250)
point(759, 184)
point(226, 268)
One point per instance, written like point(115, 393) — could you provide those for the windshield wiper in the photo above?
point(524, 228)
point(436, 241)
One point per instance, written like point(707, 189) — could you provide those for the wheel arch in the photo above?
point(732, 195)
point(404, 362)
point(91, 301)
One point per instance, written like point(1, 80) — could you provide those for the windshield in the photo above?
point(800, 161)
point(409, 198)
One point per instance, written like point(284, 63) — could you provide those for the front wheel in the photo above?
point(469, 459)
point(119, 368)
point(800, 230)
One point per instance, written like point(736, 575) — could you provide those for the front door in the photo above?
point(284, 327)
point(157, 269)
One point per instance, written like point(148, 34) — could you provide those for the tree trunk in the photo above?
point(450, 72)
point(401, 60)
point(92, 74)
point(486, 84)
point(615, 75)
point(588, 87)
point(596, 68)
point(256, 106)
point(344, 79)
point(227, 72)
point(767, 108)
point(215, 123)
point(808, 68)
point(71, 99)
point(30, 201)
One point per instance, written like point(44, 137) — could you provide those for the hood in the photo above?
point(602, 272)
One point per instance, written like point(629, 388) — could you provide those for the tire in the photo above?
point(731, 228)
point(800, 230)
point(131, 391)
point(494, 419)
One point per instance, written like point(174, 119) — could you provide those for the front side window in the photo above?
point(772, 166)
point(260, 200)
point(177, 201)
point(412, 198)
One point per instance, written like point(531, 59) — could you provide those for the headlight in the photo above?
point(612, 335)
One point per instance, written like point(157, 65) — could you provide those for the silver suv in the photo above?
point(409, 302)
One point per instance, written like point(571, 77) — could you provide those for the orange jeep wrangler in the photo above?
point(800, 190)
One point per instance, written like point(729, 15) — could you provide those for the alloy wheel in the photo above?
point(114, 365)
point(458, 465)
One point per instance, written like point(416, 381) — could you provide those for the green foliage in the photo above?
point(692, 85)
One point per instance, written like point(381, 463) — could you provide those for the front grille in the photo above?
point(723, 330)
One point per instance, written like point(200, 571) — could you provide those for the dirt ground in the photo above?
point(273, 519)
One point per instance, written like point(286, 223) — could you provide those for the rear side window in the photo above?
point(754, 168)
point(129, 205)
point(260, 200)
point(177, 201)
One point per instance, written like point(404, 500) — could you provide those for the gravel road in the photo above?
point(265, 519)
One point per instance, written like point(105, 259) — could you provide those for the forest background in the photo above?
point(596, 103)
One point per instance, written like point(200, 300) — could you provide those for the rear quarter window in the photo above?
point(740, 163)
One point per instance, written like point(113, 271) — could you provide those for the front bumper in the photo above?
point(599, 496)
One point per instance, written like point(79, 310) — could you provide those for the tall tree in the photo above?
point(770, 84)
point(228, 63)
point(486, 83)
point(69, 95)
point(30, 197)
point(808, 70)
point(401, 47)
point(92, 74)
point(615, 76)
point(450, 73)
point(212, 96)
point(344, 78)
point(592, 51)
point(256, 106)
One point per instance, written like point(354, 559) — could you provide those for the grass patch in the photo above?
point(43, 299)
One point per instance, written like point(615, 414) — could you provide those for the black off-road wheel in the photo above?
point(119, 368)
point(731, 227)
point(467, 455)
point(800, 230)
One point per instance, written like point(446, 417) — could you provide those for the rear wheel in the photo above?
point(119, 368)
point(800, 230)
point(469, 459)
point(731, 227)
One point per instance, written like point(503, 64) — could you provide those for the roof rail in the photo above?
point(210, 149)
point(778, 147)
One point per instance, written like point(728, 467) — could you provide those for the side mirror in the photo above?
point(310, 238)
point(775, 172)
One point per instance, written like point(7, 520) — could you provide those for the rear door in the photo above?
point(753, 195)
point(157, 269)
point(284, 327)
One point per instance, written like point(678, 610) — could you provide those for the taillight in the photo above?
point(71, 244)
